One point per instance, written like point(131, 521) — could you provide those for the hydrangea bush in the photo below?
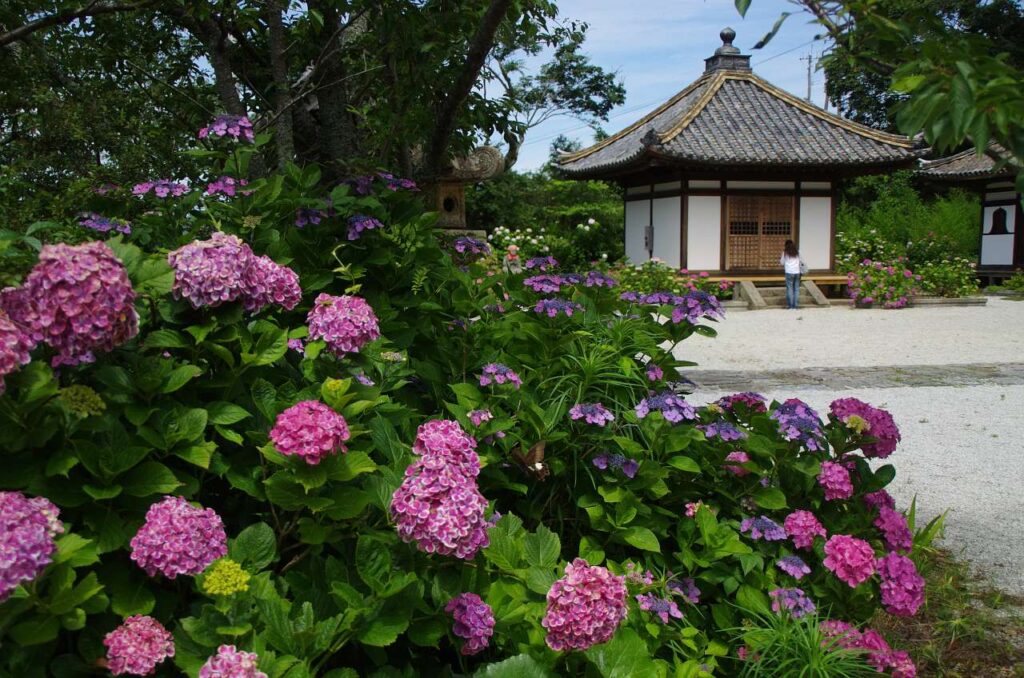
point(883, 284)
point(265, 449)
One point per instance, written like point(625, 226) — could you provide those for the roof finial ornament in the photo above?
point(727, 35)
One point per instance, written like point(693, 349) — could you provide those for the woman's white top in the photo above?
point(791, 264)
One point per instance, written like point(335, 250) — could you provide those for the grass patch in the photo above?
point(966, 628)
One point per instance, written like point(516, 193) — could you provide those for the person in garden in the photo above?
point(794, 268)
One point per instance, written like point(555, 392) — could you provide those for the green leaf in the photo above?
point(255, 547)
point(642, 538)
point(226, 413)
point(539, 580)
point(427, 632)
point(684, 464)
point(179, 377)
point(386, 440)
point(520, 666)
point(35, 631)
point(591, 551)
point(70, 598)
point(148, 478)
point(76, 551)
point(770, 498)
point(384, 629)
point(505, 549)
point(542, 548)
point(742, 6)
point(373, 561)
point(154, 277)
point(351, 465)
point(624, 656)
point(752, 599)
point(185, 425)
point(131, 597)
point(271, 346)
point(199, 455)
point(166, 339)
point(264, 395)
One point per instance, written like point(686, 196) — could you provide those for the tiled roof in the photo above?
point(967, 165)
point(735, 118)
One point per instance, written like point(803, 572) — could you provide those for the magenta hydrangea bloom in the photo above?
point(238, 127)
point(230, 662)
point(592, 413)
point(211, 272)
point(740, 457)
point(894, 528)
point(499, 374)
point(585, 607)
point(14, 347)
point(438, 505)
point(762, 527)
point(27, 531)
point(136, 647)
point(178, 538)
point(311, 431)
point(478, 417)
point(836, 481)
point(877, 500)
point(792, 600)
point(901, 665)
point(345, 323)
point(267, 282)
point(870, 421)
point(755, 402)
point(663, 608)
point(802, 527)
point(850, 559)
point(78, 299)
point(474, 621)
point(902, 587)
point(794, 566)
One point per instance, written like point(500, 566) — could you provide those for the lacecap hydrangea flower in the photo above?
point(629, 467)
point(798, 421)
point(868, 421)
point(585, 607)
point(794, 566)
point(552, 307)
point(102, 224)
point(850, 559)
point(722, 430)
point(793, 600)
point(894, 528)
point(592, 413)
point(499, 374)
point(740, 457)
point(541, 263)
point(835, 479)
point(238, 127)
point(226, 186)
point(311, 431)
point(599, 279)
point(178, 538)
point(161, 188)
point(28, 528)
point(662, 608)
point(345, 323)
point(225, 578)
point(15, 346)
point(685, 587)
point(672, 407)
point(762, 527)
point(802, 527)
point(136, 647)
point(902, 587)
point(438, 505)
point(474, 621)
point(360, 223)
point(230, 662)
point(545, 283)
point(77, 299)
point(478, 417)
point(755, 402)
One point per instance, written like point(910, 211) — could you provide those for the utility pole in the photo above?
point(809, 59)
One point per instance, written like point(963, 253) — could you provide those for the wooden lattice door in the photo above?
point(758, 227)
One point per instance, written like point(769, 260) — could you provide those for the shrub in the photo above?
point(890, 285)
point(454, 468)
point(954, 277)
point(654, 275)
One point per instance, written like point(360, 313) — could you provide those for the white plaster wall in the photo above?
point(997, 250)
point(816, 232)
point(638, 215)
point(667, 230)
point(703, 232)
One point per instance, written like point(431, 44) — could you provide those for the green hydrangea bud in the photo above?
point(82, 400)
point(225, 577)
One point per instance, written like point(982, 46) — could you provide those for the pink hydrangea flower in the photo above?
point(178, 538)
point(902, 587)
point(345, 323)
point(850, 559)
point(654, 373)
point(879, 499)
point(311, 431)
point(211, 272)
point(474, 621)
point(802, 527)
point(585, 607)
point(226, 186)
point(14, 347)
point(740, 457)
point(238, 127)
point(136, 647)
point(27, 531)
point(229, 662)
point(871, 421)
point(499, 374)
point(478, 417)
point(77, 299)
point(267, 282)
point(836, 481)
point(438, 505)
point(894, 528)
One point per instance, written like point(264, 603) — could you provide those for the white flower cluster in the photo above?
point(528, 241)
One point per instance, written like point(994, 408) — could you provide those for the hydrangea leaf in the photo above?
point(148, 478)
point(770, 498)
point(624, 656)
point(520, 666)
point(254, 547)
point(642, 538)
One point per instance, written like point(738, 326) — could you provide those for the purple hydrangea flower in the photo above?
point(794, 566)
point(103, 224)
point(161, 188)
point(798, 421)
point(894, 528)
point(78, 299)
point(629, 467)
point(305, 216)
point(229, 662)
point(178, 538)
point(585, 607)
point(311, 431)
point(499, 374)
point(902, 587)
point(672, 407)
point(687, 588)
point(137, 646)
point(592, 413)
point(464, 244)
point(238, 127)
point(444, 438)
point(793, 600)
point(722, 430)
point(599, 279)
point(297, 345)
point(877, 500)
point(226, 186)
point(474, 621)
point(835, 479)
point(696, 305)
point(360, 223)
point(654, 373)
point(545, 283)
point(265, 283)
point(662, 608)
point(552, 307)
point(15, 346)
point(28, 528)
point(393, 183)
point(541, 264)
point(761, 527)
point(737, 456)
point(478, 417)
point(365, 380)
point(345, 323)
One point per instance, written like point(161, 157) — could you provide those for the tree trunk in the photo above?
point(285, 139)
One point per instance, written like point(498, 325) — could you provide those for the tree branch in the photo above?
point(94, 8)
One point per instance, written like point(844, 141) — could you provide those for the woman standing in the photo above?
point(794, 267)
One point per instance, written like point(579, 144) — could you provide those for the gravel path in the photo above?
point(953, 377)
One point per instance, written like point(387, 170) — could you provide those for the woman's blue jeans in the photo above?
point(792, 290)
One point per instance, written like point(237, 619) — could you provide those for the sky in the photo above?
point(658, 47)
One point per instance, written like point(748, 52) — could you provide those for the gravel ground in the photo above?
point(844, 337)
point(962, 448)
